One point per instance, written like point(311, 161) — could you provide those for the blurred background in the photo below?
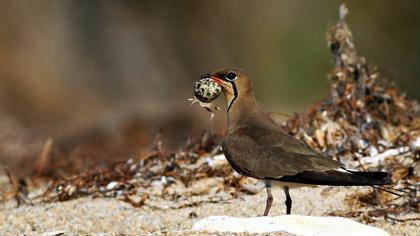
point(103, 79)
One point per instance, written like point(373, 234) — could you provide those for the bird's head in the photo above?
point(235, 83)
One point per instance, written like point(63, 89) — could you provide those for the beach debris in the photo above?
point(20, 190)
point(197, 174)
point(367, 123)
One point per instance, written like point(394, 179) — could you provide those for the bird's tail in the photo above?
point(344, 177)
point(373, 177)
point(340, 177)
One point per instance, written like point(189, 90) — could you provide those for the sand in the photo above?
point(111, 216)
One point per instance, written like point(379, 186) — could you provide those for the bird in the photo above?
point(256, 146)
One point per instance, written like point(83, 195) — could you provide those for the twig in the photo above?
point(10, 177)
point(43, 157)
point(403, 220)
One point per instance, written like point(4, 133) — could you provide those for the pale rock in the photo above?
point(292, 224)
point(53, 233)
point(111, 185)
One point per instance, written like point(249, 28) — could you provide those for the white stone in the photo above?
point(111, 185)
point(53, 233)
point(293, 224)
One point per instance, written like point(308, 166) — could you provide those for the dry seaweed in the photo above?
point(19, 189)
point(367, 123)
point(196, 170)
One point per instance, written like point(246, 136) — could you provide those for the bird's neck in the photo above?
point(241, 109)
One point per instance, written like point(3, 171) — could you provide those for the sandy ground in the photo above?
point(112, 216)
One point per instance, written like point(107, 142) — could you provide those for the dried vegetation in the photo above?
point(366, 123)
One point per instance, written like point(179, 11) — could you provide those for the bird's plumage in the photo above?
point(257, 146)
point(269, 154)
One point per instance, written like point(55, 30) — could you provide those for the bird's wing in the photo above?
point(272, 153)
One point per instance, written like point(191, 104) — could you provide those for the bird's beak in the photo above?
point(217, 80)
point(224, 84)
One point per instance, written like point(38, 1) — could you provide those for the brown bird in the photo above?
point(256, 146)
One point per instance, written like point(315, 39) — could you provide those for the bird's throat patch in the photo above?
point(235, 94)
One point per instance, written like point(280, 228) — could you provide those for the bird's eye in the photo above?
point(231, 76)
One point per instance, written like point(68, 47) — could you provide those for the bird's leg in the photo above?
point(269, 198)
point(288, 200)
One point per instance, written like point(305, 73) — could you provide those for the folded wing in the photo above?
point(267, 153)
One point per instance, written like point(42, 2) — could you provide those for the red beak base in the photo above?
point(219, 81)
